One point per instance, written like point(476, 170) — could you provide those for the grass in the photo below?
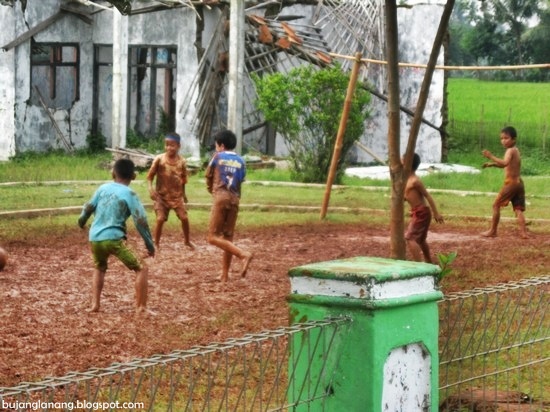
point(508, 102)
point(479, 109)
point(69, 181)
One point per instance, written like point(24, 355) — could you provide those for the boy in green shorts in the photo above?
point(112, 204)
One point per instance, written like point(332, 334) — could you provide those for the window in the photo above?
point(55, 74)
point(152, 88)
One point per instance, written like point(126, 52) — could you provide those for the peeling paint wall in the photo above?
point(27, 126)
point(417, 28)
point(25, 123)
point(7, 87)
point(418, 23)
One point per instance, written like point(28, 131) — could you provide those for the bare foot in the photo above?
point(223, 278)
point(190, 245)
point(143, 311)
point(489, 233)
point(94, 309)
point(524, 235)
point(246, 261)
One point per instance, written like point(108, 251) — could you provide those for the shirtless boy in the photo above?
point(513, 189)
point(170, 171)
point(421, 215)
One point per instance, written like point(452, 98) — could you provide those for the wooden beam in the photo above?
point(36, 29)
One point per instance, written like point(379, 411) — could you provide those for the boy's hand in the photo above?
point(81, 223)
point(153, 194)
point(185, 199)
point(438, 218)
point(488, 164)
point(487, 154)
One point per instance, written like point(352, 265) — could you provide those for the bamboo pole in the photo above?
point(440, 67)
point(341, 131)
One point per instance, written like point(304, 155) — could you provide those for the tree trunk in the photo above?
point(398, 171)
point(397, 240)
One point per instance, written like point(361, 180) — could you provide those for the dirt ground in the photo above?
point(45, 329)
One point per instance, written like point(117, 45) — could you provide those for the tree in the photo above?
point(399, 172)
point(537, 45)
point(515, 14)
point(305, 107)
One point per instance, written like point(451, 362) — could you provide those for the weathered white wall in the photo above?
point(33, 128)
point(7, 87)
point(27, 127)
point(417, 28)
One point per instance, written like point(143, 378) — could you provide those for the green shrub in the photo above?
point(96, 143)
point(305, 106)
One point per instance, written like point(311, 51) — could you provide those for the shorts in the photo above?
point(512, 192)
point(103, 249)
point(162, 209)
point(421, 217)
point(223, 215)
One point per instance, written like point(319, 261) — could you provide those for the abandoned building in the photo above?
point(71, 69)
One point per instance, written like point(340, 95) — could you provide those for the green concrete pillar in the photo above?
point(389, 355)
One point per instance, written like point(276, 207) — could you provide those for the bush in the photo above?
point(305, 106)
point(96, 143)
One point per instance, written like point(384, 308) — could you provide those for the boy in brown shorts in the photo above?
point(224, 176)
point(170, 170)
point(513, 189)
point(421, 215)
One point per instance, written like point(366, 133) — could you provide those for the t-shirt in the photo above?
point(226, 171)
point(112, 204)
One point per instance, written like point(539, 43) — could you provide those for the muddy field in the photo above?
point(45, 329)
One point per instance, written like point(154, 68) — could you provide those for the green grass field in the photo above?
point(479, 109)
point(507, 102)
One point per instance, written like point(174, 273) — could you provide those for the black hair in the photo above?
point(227, 138)
point(416, 162)
point(510, 131)
point(124, 169)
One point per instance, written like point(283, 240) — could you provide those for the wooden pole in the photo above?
point(341, 132)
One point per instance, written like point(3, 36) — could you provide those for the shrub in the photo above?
point(305, 106)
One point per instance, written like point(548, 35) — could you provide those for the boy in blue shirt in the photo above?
point(224, 175)
point(112, 204)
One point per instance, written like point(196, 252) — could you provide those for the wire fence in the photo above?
point(494, 348)
point(252, 373)
point(533, 138)
point(494, 354)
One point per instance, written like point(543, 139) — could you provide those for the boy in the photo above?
point(170, 170)
point(224, 175)
point(513, 189)
point(111, 205)
point(421, 215)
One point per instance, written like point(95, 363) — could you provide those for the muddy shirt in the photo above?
point(112, 204)
point(171, 176)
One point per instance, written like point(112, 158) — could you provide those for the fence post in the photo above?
point(388, 360)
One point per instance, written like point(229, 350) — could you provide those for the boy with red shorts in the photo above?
point(421, 215)
point(224, 176)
